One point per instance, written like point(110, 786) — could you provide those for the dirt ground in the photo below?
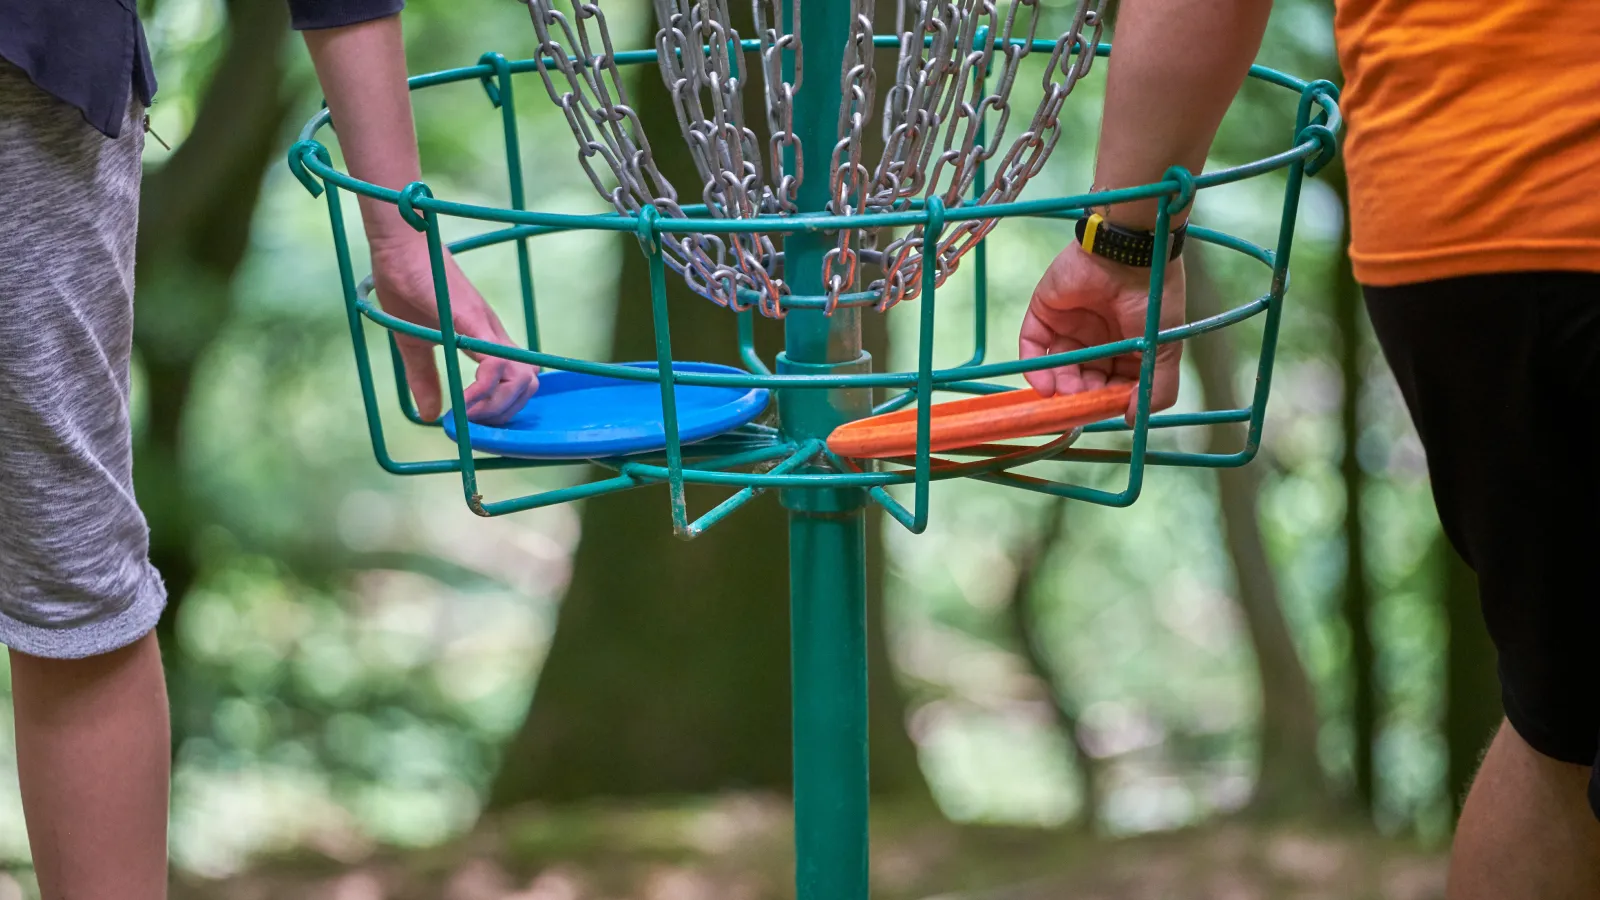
point(737, 848)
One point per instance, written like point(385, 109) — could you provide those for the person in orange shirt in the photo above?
point(1473, 155)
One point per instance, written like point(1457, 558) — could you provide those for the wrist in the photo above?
point(385, 227)
point(397, 242)
point(400, 257)
point(1134, 215)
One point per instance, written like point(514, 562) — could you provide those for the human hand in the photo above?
point(1084, 300)
point(403, 280)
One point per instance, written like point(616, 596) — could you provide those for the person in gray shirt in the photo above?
point(78, 596)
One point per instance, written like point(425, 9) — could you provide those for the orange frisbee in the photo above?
point(978, 420)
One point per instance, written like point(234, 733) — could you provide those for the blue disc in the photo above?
point(578, 416)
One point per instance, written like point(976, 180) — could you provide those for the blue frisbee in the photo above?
point(578, 416)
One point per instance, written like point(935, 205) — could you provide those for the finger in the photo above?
point(1094, 376)
point(422, 376)
point(472, 314)
point(483, 381)
point(1165, 392)
point(1080, 330)
point(501, 387)
point(475, 392)
point(1164, 383)
point(1129, 369)
point(500, 405)
point(530, 386)
point(1068, 379)
point(493, 395)
point(518, 384)
point(504, 368)
point(1035, 341)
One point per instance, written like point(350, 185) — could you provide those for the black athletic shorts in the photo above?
point(1502, 376)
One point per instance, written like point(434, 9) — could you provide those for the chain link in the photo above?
point(848, 175)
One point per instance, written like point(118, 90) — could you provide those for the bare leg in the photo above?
point(93, 754)
point(1526, 830)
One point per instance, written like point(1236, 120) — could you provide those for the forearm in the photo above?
point(1176, 67)
point(362, 69)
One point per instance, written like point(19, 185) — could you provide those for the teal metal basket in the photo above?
point(807, 463)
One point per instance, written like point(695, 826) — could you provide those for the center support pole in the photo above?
point(827, 528)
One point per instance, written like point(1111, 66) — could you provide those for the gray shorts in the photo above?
point(75, 579)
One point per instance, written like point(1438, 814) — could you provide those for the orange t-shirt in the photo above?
point(1473, 141)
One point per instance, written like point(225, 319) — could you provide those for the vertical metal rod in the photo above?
point(829, 625)
point(980, 254)
point(1147, 357)
point(452, 351)
point(669, 401)
point(1280, 280)
point(931, 233)
point(827, 530)
point(358, 336)
point(506, 100)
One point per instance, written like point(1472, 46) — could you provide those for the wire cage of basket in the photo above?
point(767, 240)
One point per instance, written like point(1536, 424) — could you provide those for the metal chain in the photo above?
point(957, 65)
point(848, 173)
point(697, 65)
point(698, 51)
point(784, 144)
point(933, 116)
point(588, 89)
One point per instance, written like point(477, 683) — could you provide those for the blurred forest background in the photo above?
point(1260, 683)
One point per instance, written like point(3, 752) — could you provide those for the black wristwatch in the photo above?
point(1124, 245)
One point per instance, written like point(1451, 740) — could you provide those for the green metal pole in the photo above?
point(827, 531)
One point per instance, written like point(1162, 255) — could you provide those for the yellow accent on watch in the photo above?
point(1090, 230)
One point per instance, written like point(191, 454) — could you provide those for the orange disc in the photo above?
point(978, 420)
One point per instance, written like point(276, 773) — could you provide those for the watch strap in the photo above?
point(1124, 245)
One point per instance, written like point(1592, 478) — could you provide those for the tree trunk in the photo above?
point(1472, 688)
point(195, 217)
point(1357, 601)
point(669, 671)
point(1290, 781)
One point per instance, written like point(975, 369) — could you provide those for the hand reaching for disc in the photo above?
point(403, 281)
point(1085, 300)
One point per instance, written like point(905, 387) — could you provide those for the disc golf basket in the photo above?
point(787, 225)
